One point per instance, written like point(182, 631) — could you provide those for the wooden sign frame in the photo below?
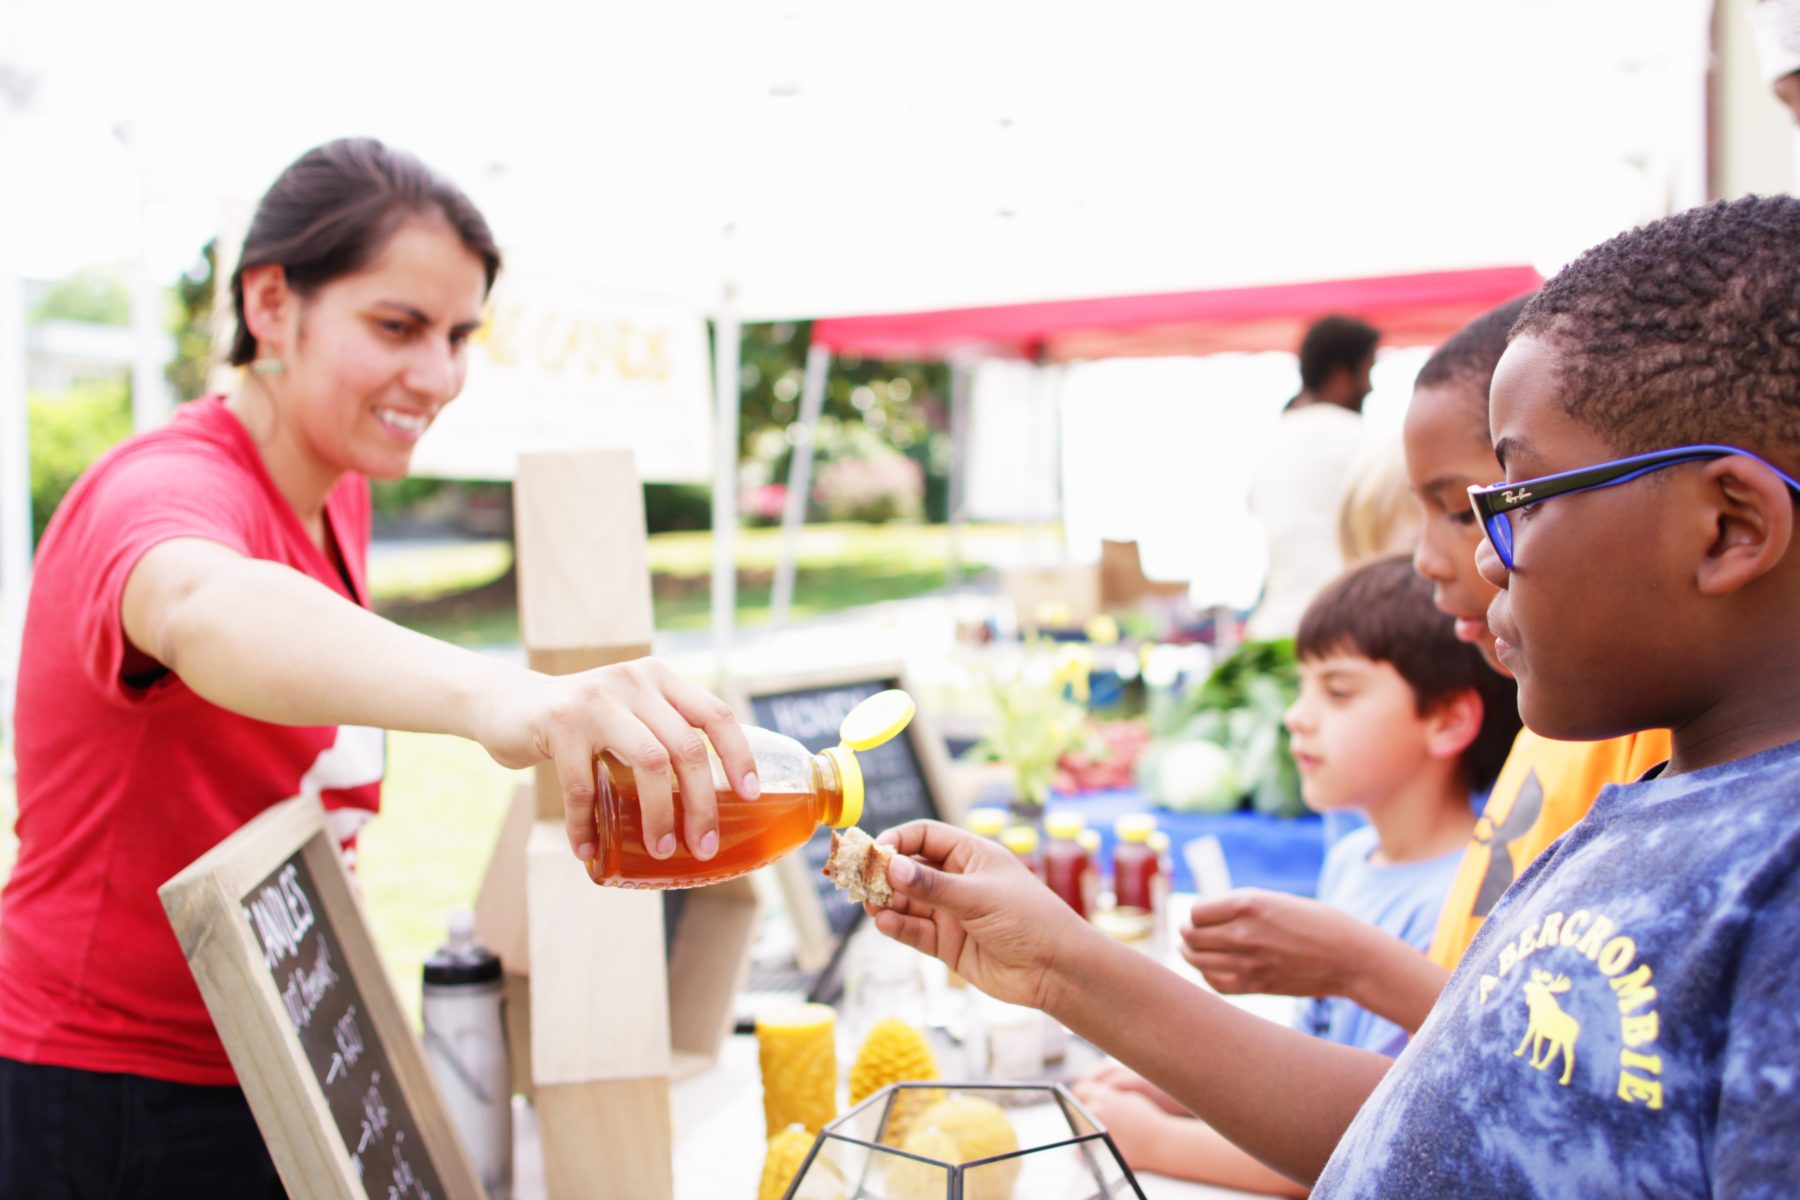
point(206, 905)
point(812, 927)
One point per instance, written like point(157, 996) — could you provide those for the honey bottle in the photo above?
point(1022, 840)
point(800, 792)
point(1136, 866)
point(1069, 867)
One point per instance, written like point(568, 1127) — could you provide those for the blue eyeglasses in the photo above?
point(1491, 504)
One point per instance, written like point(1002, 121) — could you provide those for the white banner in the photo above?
point(561, 366)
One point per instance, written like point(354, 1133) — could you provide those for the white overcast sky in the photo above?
point(873, 156)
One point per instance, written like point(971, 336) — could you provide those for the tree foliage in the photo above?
point(69, 432)
point(92, 296)
point(192, 325)
point(869, 404)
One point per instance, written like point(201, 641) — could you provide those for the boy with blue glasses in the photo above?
point(1626, 1022)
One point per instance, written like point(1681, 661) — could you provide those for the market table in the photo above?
point(719, 1139)
point(719, 1128)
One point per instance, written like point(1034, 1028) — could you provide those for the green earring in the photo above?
point(268, 368)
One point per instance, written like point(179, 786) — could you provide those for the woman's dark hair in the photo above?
point(1382, 611)
point(331, 212)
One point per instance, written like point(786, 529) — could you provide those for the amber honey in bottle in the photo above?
point(800, 791)
point(1069, 866)
point(1135, 865)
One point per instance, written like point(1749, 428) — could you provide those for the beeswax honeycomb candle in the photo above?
point(797, 1047)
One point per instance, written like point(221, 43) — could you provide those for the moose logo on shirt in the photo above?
point(1550, 1029)
point(1590, 966)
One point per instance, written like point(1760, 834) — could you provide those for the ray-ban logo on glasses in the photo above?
point(1518, 496)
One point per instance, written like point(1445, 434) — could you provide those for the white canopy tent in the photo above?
point(769, 160)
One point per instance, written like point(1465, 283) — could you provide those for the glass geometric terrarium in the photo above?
point(965, 1141)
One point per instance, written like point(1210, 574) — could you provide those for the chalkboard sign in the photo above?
point(903, 780)
point(290, 974)
point(326, 1007)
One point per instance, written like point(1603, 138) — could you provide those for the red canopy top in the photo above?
point(1409, 310)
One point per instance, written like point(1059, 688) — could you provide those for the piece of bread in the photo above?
point(860, 867)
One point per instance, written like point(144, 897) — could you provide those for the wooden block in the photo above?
point(500, 904)
point(517, 998)
point(614, 1140)
point(584, 578)
point(599, 986)
point(707, 969)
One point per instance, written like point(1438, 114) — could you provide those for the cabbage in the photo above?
point(1194, 776)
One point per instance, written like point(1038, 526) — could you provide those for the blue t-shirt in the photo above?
point(1627, 1022)
point(1402, 899)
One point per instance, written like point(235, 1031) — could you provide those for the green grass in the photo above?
point(465, 594)
point(439, 570)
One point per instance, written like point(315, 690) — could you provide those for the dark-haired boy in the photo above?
point(1625, 1023)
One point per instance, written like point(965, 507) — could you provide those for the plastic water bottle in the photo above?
point(465, 1044)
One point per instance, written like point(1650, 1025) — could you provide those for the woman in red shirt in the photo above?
point(198, 646)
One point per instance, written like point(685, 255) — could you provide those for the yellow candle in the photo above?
point(797, 1047)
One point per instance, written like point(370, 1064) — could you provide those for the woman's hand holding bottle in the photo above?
point(650, 719)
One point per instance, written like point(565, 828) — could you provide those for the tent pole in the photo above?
point(793, 512)
point(960, 383)
point(1054, 431)
point(726, 395)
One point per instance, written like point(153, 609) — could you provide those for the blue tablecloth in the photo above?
point(1279, 853)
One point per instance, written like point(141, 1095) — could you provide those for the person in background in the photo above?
point(1295, 489)
point(1267, 942)
point(1623, 1022)
point(198, 647)
point(1778, 44)
point(1398, 721)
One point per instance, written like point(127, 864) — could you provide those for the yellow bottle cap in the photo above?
point(988, 822)
point(1102, 630)
point(1159, 842)
point(850, 782)
point(878, 719)
point(1064, 824)
point(1020, 839)
point(1135, 827)
point(1089, 840)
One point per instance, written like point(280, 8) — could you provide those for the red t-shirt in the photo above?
point(124, 779)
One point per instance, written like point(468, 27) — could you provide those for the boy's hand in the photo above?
point(1252, 941)
point(1135, 1121)
point(650, 719)
point(1118, 1076)
point(973, 906)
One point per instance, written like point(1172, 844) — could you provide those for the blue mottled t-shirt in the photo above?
point(1627, 1023)
point(1400, 898)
